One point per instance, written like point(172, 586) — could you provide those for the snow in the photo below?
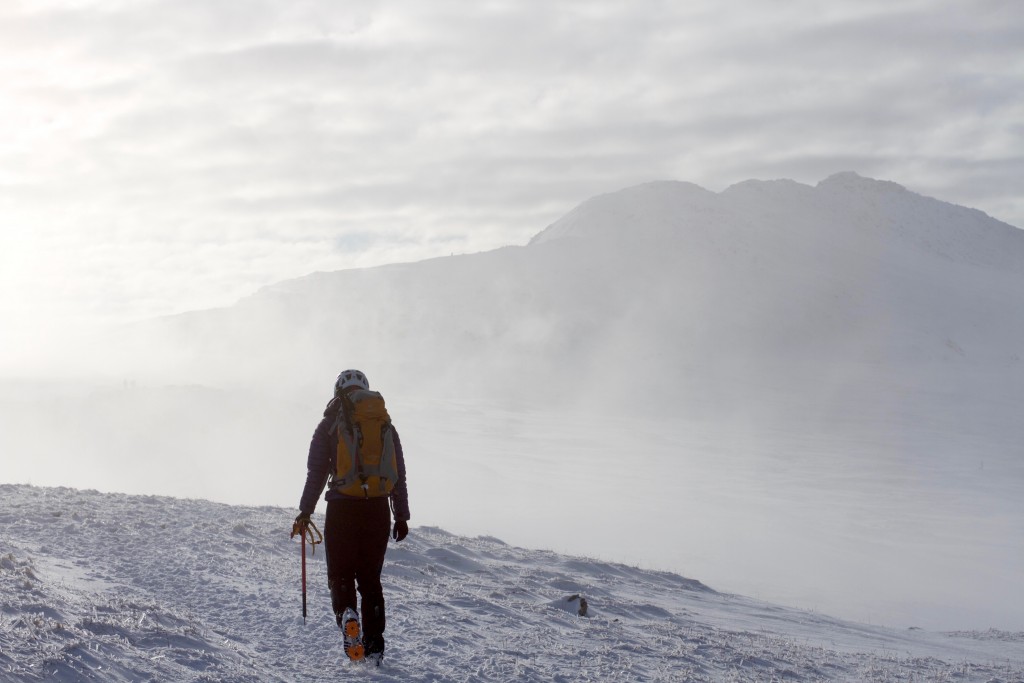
point(125, 588)
point(831, 522)
point(806, 394)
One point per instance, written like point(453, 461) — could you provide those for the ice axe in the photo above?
point(303, 529)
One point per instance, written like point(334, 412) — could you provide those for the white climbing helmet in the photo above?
point(350, 378)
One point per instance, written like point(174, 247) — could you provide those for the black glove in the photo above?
point(301, 522)
point(401, 530)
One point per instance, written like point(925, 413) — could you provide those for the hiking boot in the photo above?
point(375, 650)
point(351, 636)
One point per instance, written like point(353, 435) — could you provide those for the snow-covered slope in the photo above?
point(117, 588)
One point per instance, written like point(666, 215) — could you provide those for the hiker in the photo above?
point(356, 450)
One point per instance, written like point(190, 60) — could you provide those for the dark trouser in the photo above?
point(356, 537)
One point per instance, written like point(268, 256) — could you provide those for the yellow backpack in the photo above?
point(366, 465)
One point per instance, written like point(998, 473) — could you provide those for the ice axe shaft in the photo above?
point(303, 579)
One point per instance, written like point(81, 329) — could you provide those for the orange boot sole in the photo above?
point(353, 643)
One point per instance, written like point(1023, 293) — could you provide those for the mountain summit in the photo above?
point(881, 210)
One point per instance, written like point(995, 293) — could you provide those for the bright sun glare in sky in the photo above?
point(165, 156)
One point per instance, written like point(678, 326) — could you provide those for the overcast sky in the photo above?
point(164, 155)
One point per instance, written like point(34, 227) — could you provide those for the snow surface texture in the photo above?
point(119, 588)
point(810, 395)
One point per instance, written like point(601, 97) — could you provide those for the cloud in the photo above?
point(168, 155)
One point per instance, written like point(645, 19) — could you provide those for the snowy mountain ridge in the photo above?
point(127, 588)
point(667, 277)
point(664, 209)
point(654, 204)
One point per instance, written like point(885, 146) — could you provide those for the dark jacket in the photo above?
point(322, 451)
